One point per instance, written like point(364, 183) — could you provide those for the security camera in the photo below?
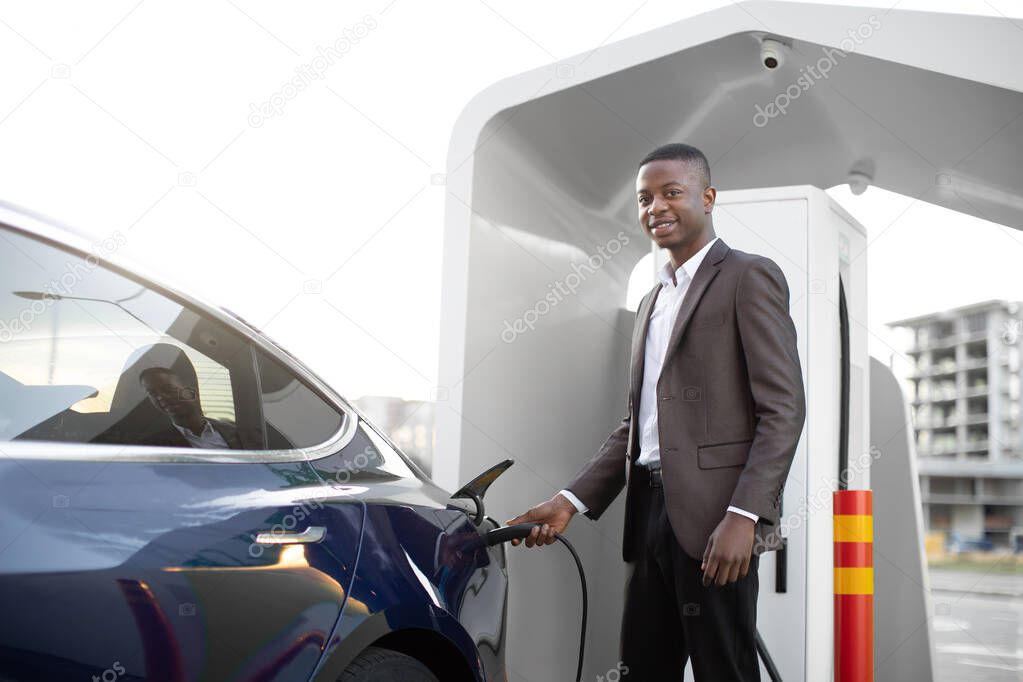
point(772, 54)
point(859, 182)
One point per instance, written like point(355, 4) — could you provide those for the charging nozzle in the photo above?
point(499, 535)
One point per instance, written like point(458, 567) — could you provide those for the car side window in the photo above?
point(88, 355)
point(295, 416)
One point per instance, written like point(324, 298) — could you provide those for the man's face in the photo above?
point(672, 202)
point(170, 394)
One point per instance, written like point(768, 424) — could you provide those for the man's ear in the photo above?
point(709, 197)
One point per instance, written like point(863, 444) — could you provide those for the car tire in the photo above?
point(383, 665)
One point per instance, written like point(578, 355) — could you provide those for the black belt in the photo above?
point(654, 477)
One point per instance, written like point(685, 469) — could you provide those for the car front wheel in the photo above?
point(383, 665)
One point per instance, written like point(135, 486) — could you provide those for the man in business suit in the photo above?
point(716, 408)
point(178, 399)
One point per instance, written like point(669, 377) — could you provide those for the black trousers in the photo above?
point(670, 616)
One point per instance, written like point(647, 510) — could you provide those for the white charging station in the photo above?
point(541, 238)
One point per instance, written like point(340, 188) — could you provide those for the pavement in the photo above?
point(977, 582)
point(977, 626)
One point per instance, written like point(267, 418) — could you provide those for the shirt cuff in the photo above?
point(570, 496)
point(745, 513)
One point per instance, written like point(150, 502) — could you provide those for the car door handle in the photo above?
point(310, 534)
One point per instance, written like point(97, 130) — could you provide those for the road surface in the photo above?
point(978, 626)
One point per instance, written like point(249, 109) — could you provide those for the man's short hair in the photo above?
point(676, 151)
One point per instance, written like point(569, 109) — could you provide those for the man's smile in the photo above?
point(662, 226)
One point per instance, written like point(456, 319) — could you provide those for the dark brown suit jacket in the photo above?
point(730, 405)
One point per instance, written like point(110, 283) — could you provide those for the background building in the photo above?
point(409, 423)
point(965, 396)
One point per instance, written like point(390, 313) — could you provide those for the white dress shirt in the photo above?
point(210, 438)
point(674, 285)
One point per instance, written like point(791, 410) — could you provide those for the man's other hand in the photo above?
point(729, 550)
point(554, 515)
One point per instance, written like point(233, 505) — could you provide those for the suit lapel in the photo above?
point(229, 435)
point(173, 438)
point(706, 273)
point(639, 341)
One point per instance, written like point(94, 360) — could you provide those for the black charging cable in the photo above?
point(521, 530)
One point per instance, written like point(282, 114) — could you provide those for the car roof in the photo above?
point(50, 229)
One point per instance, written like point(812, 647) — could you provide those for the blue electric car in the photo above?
point(180, 499)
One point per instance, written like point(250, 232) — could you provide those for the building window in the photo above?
point(976, 322)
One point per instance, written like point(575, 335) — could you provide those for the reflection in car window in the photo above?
point(295, 416)
point(172, 385)
point(90, 356)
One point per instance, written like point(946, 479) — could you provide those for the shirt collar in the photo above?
point(689, 267)
point(207, 430)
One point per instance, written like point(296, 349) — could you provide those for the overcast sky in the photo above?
point(320, 222)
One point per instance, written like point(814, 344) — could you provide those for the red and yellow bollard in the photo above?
point(854, 586)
